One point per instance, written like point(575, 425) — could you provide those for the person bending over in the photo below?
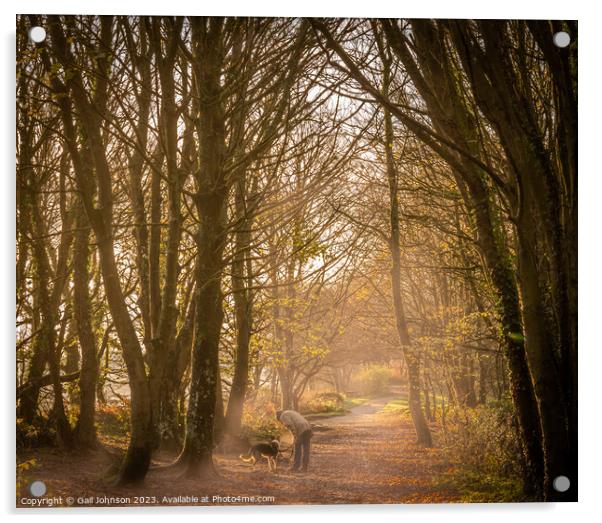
point(301, 430)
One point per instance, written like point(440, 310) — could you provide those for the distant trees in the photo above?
point(208, 206)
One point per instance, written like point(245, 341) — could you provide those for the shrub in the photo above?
point(259, 422)
point(114, 419)
point(374, 379)
point(23, 479)
point(484, 449)
point(325, 402)
point(37, 434)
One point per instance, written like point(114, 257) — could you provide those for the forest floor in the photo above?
point(365, 456)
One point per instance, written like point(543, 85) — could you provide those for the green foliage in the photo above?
point(325, 402)
point(476, 487)
point(259, 422)
point(39, 433)
point(305, 244)
point(398, 406)
point(516, 336)
point(374, 379)
point(483, 446)
point(328, 404)
point(113, 419)
point(354, 402)
point(23, 478)
point(460, 328)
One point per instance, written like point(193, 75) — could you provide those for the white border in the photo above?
point(590, 287)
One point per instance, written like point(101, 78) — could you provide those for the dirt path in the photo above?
point(362, 457)
point(358, 415)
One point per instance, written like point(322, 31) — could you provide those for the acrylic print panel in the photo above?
point(295, 261)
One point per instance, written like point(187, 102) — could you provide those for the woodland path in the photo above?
point(358, 414)
point(362, 457)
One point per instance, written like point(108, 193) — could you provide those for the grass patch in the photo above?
point(482, 488)
point(321, 415)
point(401, 406)
point(349, 403)
point(396, 406)
point(329, 409)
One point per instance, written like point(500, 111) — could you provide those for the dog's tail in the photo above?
point(248, 458)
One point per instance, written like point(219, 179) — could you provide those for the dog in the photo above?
point(269, 451)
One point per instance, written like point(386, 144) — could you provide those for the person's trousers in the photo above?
point(302, 447)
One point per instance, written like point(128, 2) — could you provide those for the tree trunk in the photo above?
point(49, 302)
point(197, 454)
point(242, 307)
point(483, 376)
point(171, 407)
point(138, 455)
point(219, 423)
point(164, 333)
point(212, 198)
point(286, 388)
point(85, 431)
point(412, 359)
point(552, 407)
